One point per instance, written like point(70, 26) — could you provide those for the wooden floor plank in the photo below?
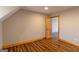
point(23, 48)
point(37, 47)
point(27, 46)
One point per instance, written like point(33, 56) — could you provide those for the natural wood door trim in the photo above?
point(58, 27)
point(48, 29)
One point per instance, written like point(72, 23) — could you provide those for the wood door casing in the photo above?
point(58, 27)
point(48, 23)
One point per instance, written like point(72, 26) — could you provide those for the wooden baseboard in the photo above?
point(20, 43)
point(67, 46)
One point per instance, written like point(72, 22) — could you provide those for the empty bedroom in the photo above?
point(39, 29)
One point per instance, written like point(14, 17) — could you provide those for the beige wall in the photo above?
point(69, 25)
point(6, 11)
point(0, 35)
point(23, 25)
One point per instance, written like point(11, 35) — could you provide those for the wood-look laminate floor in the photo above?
point(43, 45)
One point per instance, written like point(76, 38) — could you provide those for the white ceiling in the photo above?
point(52, 9)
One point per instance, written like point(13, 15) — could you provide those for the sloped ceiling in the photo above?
point(6, 11)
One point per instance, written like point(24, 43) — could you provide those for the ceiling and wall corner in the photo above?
point(6, 11)
point(52, 9)
point(58, 13)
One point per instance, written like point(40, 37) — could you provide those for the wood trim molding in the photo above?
point(22, 42)
point(48, 28)
point(58, 27)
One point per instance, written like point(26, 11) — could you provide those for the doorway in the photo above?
point(55, 30)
